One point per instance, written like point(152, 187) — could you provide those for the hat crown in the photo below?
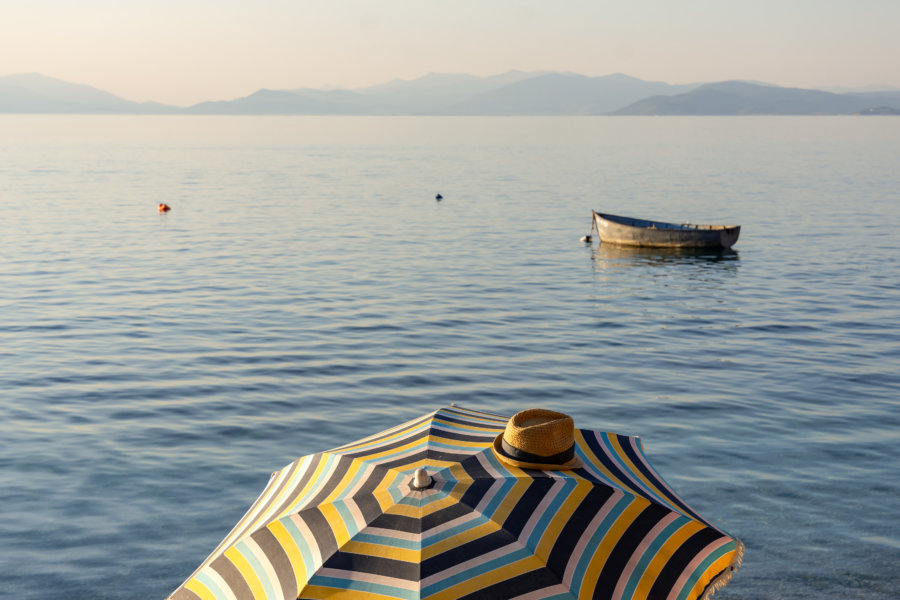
point(540, 432)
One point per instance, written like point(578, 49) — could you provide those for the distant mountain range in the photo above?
point(512, 93)
point(33, 93)
point(740, 98)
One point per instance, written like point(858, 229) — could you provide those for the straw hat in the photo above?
point(538, 439)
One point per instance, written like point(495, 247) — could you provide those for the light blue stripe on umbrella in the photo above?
point(479, 568)
point(423, 444)
point(380, 442)
point(303, 465)
point(492, 506)
point(261, 574)
point(508, 479)
point(695, 576)
point(393, 487)
point(442, 535)
point(454, 447)
point(364, 586)
point(383, 540)
point(350, 487)
point(596, 472)
point(467, 430)
point(424, 501)
point(487, 421)
point(597, 538)
point(210, 584)
point(630, 474)
point(651, 551)
point(346, 516)
point(302, 544)
point(552, 509)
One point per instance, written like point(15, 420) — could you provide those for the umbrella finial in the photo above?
point(422, 480)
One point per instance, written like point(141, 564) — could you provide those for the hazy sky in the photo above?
point(186, 51)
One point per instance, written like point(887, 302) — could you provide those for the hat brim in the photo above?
point(497, 447)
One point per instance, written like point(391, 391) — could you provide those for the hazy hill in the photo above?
point(427, 95)
point(348, 100)
point(866, 89)
point(436, 92)
point(284, 102)
point(430, 94)
point(34, 93)
point(889, 97)
point(742, 98)
point(512, 93)
point(564, 94)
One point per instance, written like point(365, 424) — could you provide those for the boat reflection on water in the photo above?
point(689, 263)
point(662, 255)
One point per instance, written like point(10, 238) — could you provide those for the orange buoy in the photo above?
point(163, 207)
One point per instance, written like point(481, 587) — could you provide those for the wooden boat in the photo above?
point(625, 231)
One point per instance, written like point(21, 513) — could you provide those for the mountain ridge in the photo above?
point(38, 94)
point(511, 93)
point(731, 98)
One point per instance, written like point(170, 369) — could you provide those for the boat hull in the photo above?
point(625, 231)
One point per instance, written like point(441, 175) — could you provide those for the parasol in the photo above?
point(462, 504)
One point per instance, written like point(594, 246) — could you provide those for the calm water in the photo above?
point(307, 290)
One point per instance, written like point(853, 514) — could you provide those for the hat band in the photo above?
point(556, 459)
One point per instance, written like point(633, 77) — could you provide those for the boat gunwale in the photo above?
point(660, 225)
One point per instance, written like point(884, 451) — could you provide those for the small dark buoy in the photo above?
point(586, 239)
point(163, 207)
point(438, 197)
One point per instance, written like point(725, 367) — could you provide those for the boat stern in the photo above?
point(728, 236)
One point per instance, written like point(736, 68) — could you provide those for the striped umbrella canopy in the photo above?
point(350, 523)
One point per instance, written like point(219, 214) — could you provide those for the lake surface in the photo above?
point(306, 290)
